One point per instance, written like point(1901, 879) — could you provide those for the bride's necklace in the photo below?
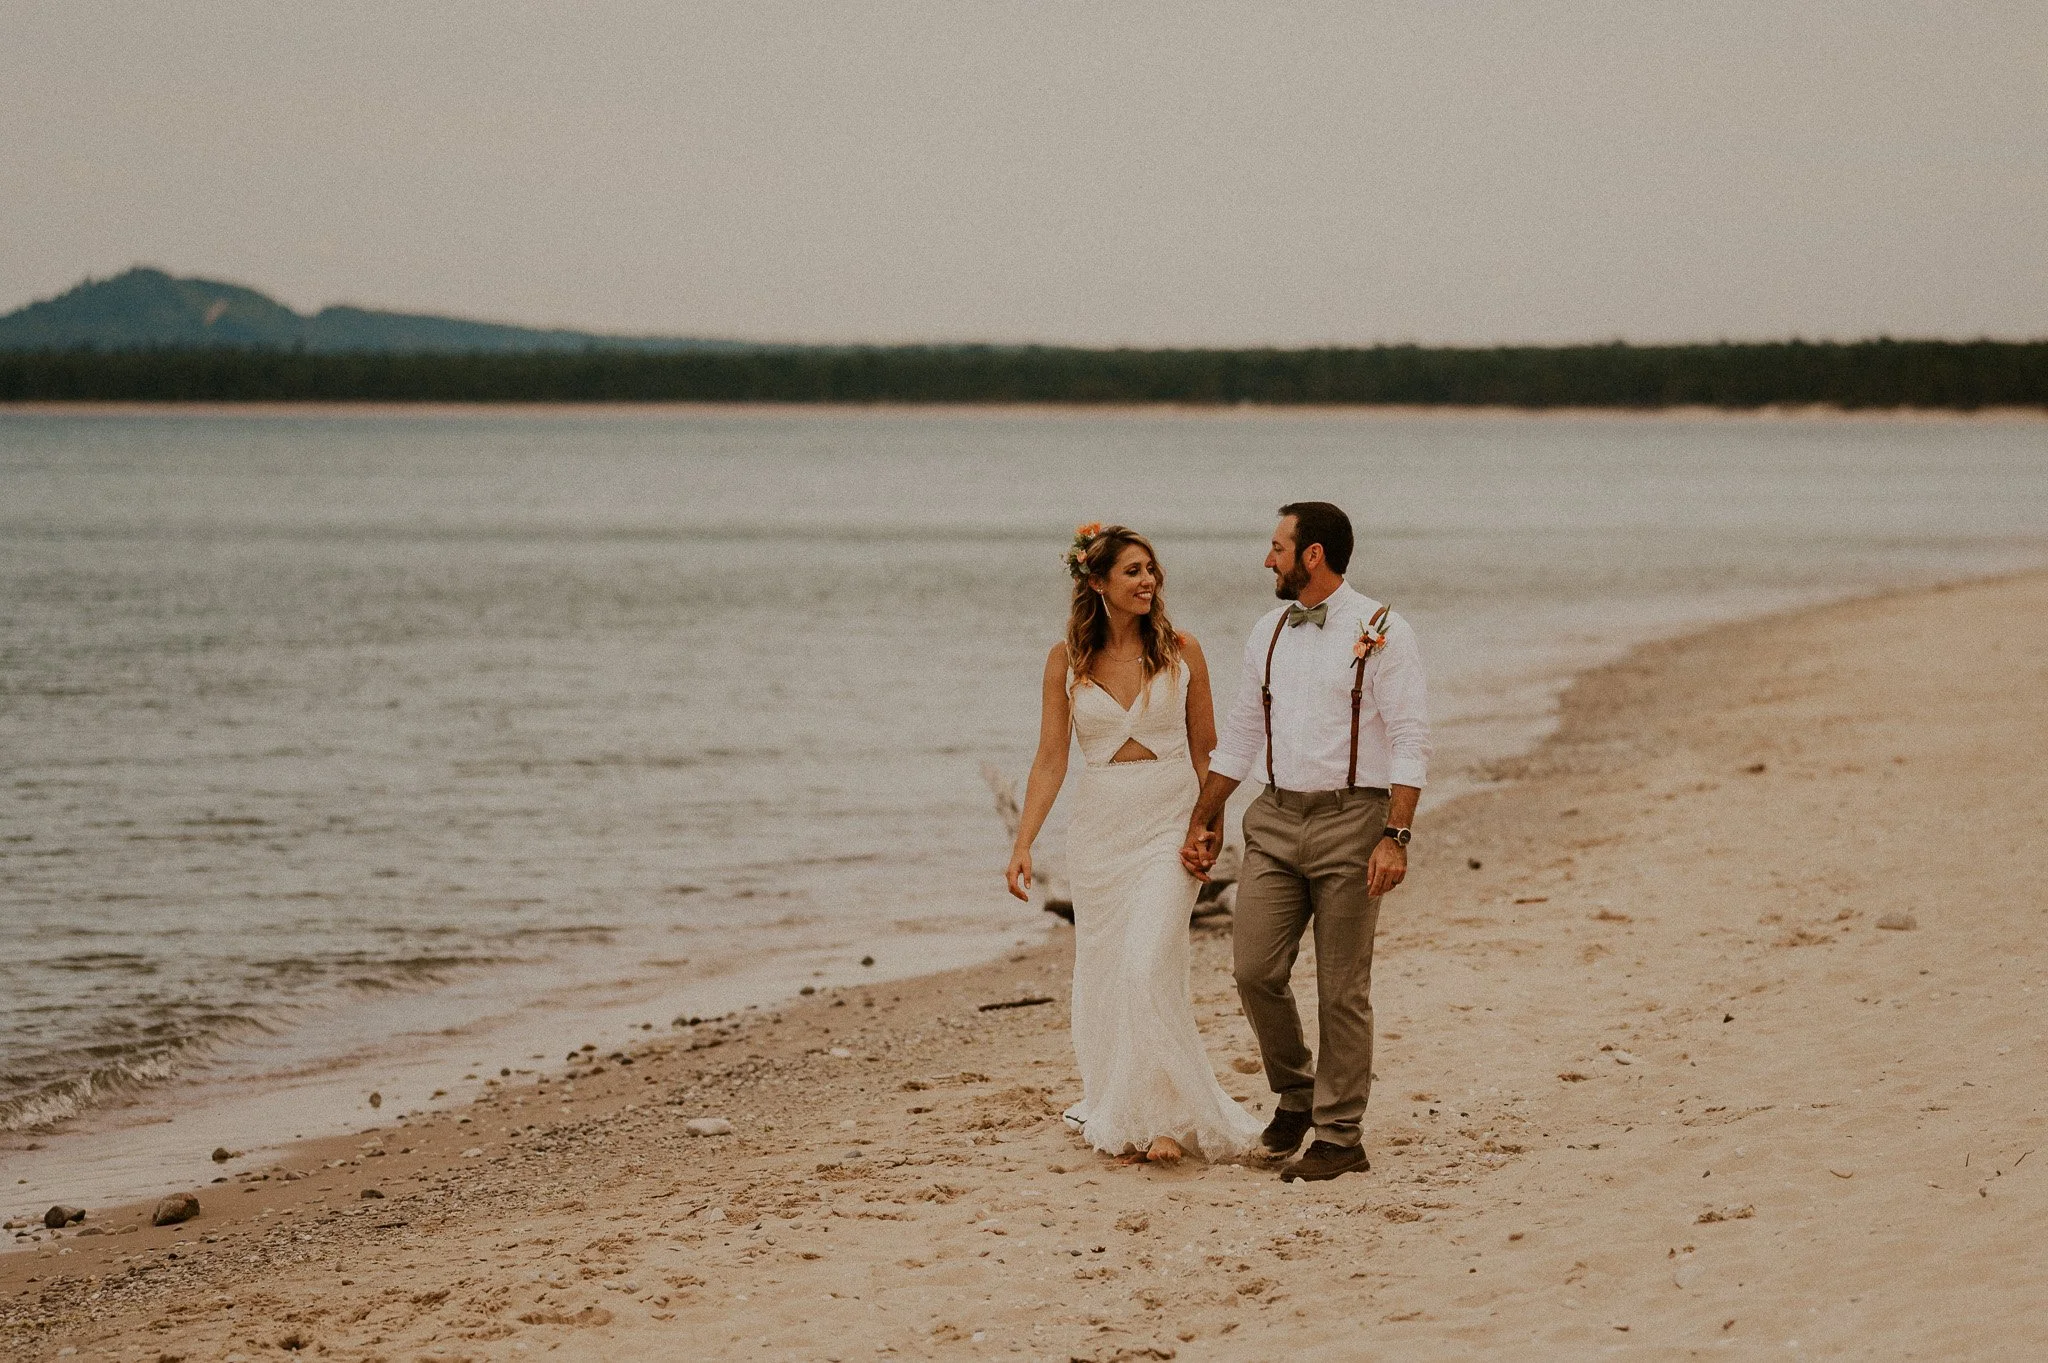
point(1124, 658)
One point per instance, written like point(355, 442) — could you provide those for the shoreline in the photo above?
point(374, 409)
point(1750, 922)
point(272, 1094)
point(268, 1093)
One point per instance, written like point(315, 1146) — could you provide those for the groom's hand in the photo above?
point(1386, 867)
point(1205, 826)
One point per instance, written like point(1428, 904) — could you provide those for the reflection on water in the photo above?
point(303, 710)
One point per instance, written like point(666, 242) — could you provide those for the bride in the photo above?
point(1137, 697)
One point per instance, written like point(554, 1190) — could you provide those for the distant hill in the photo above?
point(146, 309)
point(146, 337)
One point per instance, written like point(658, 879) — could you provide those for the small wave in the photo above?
point(113, 1070)
point(572, 932)
point(526, 766)
point(127, 962)
point(334, 961)
point(436, 969)
point(156, 1038)
point(354, 968)
point(65, 1098)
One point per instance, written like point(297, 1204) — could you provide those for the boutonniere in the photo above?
point(1372, 635)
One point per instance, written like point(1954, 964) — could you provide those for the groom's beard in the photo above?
point(1288, 586)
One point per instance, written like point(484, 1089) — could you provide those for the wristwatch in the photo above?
point(1399, 835)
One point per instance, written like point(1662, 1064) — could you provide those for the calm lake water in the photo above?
point(325, 734)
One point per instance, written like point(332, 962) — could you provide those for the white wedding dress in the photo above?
point(1143, 1070)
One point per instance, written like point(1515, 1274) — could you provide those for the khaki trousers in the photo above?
point(1304, 863)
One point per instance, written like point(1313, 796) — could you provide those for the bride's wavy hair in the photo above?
point(1088, 613)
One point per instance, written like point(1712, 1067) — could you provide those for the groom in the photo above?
point(1330, 710)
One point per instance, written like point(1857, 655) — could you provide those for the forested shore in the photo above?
point(1955, 375)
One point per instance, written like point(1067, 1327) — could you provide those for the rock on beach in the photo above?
point(707, 1126)
point(175, 1208)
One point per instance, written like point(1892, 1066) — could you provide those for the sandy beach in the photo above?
point(1717, 1026)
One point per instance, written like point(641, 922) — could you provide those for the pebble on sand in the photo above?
point(707, 1126)
point(61, 1216)
point(1898, 922)
point(371, 1195)
point(221, 1154)
point(175, 1208)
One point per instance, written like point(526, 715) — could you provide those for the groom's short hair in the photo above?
point(1321, 523)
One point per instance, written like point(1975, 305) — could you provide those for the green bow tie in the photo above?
point(1310, 615)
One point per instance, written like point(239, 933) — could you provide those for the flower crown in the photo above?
point(1076, 557)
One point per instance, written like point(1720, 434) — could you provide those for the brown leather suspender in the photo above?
point(1376, 625)
point(1266, 698)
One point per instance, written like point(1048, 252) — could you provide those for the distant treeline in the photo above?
point(1883, 373)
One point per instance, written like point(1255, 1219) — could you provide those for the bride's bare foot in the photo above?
point(1163, 1150)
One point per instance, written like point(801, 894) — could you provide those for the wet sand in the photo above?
point(1654, 1080)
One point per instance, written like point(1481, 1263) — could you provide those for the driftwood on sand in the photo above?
point(1050, 872)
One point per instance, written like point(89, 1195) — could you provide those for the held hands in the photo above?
point(1019, 874)
point(1386, 867)
point(1198, 853)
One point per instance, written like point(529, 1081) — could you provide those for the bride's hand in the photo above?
point(1196, 854)
point(1019, 874)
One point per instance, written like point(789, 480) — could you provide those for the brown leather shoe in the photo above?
point(1325, 1159)
point(1283, 1134)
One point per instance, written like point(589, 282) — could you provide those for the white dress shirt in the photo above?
point(1312, 676)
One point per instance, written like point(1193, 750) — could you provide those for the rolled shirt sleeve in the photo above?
point(1400, 692)
point(1242, 737)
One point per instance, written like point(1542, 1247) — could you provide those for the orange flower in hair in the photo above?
point(1076, 557)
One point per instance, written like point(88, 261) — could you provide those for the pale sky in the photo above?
point(1096, 173)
